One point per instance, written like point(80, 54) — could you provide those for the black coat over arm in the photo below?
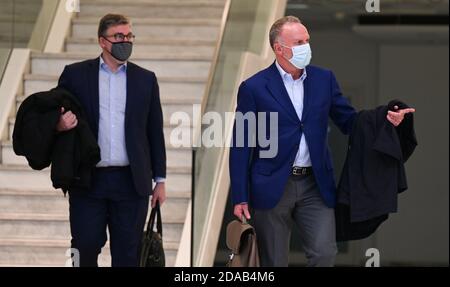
point(374, 171)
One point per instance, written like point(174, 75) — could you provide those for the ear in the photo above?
point(277, 48)
point(101, 42)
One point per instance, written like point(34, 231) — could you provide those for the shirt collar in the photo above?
point(104, 66)
point(285, 75)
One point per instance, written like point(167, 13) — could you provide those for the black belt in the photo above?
point(112, 168)
point(301, 171)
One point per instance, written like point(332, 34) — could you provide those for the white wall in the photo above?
point(419, 75)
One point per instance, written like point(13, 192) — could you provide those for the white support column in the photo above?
point(11, 85)
point(60, 27)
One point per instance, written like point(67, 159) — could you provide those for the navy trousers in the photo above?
point(113, 204)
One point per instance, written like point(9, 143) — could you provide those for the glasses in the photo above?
point(121, 37)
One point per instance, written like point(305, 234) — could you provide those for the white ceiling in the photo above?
point(326, 14)
point(355, 7)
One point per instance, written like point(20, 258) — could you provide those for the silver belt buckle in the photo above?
point(299, 170)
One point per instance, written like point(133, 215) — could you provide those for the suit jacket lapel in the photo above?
point(306, 94)
point(130, 91)
point(93, 85)
point(279, 93)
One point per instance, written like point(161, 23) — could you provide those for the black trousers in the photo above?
point(113, 204)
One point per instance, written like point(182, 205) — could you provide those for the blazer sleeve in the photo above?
point(341, 112)
point(407, 136)
point(240, 155)
point(64, 80)
point(155, 133)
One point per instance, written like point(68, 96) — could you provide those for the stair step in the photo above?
point(164, 65)
point(172, 90)
point(201, 29)
point(155, 2)
point(20, 41)
point(186, 194)
point(171, 133)
point(52, 252)
point(167, 125)
point(165, 101)
point(12, 177)
point(176, 157)
point(165, 40)
point(151, 21)
point(41, 252)
point(169, 107)
point(24, 28)
point(174, 207)
point(145, 46)
point(21, 8)
point(161, 56)
point(56, 226)
point(154, 9)
point(23, 14)
point(60, 243)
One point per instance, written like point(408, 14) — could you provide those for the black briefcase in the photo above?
point(152, 253)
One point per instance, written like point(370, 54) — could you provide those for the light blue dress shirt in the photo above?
point(295, 91)
point(112, 103)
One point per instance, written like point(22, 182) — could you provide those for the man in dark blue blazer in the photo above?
point(122, 105)
point(297, 183)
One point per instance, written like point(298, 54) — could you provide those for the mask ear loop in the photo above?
point(109, 52)
point(281, 44)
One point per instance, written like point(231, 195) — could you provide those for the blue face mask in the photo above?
point(301, 55)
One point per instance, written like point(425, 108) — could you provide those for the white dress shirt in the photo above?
point(111, 125)
point(295, 91)
point(112, 103)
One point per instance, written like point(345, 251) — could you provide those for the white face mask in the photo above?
point(301, 55)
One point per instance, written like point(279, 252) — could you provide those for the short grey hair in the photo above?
point(275, 30)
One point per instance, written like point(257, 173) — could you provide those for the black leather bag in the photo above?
point(152, 253)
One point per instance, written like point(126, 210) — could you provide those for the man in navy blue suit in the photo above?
point(297, 184)
point(122, 105)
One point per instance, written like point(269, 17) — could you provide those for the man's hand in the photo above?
point(397, 117)
point(159, 194)
point(241, 209)
point(66, 121)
